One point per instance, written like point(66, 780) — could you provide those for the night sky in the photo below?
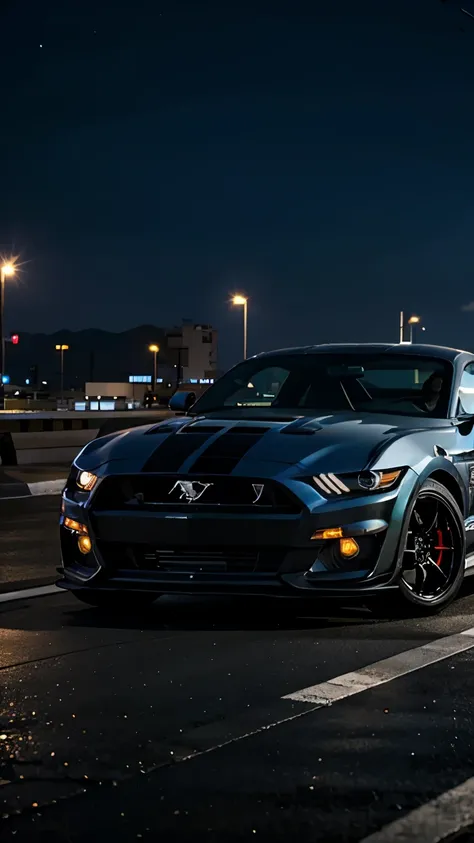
point(318, 156)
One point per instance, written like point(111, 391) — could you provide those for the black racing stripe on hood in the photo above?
point(176, 448)
point(225, 453)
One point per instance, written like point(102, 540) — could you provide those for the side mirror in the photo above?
point(464, 424)
point(181, 402)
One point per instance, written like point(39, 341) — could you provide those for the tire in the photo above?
point(112, 601)
point(448, 525)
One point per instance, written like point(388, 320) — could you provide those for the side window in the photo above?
point(466, 391)
point(398, 379)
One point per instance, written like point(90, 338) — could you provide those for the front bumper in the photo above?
point(224, 553)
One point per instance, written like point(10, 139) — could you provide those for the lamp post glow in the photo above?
point(413, 320)
point(7, 270)
point(242, 301)
point(62, 349)
point(154, 349)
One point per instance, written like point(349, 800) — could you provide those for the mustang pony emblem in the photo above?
point(191, 490)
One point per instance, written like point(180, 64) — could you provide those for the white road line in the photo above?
point(26, 593)
point(16, 498)
point(384, 671)
point(433, 822)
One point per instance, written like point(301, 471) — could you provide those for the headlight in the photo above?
point(86, 481)
point(352, 484)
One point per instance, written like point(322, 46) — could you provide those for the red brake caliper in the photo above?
point(441, 547)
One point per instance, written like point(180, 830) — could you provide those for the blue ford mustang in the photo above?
point(325, 471)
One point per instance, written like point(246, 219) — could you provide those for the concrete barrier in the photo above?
point(7, 450)
point(11, 487)
point(70, 420)
point(31, 441)
point(49, 448)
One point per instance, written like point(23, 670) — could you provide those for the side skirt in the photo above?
point(469, 564)
point(469, 528)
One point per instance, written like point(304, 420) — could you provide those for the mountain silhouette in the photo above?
point(93, 354)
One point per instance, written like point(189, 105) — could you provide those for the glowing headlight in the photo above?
point(86, 481)
point(351, 484)
point(371, 480)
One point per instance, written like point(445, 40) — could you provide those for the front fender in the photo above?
point(456, 484)
point(397, 532)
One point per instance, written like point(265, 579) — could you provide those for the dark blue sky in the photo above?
point(318, 155)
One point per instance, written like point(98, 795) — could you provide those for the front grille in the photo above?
point(207, 493)
point(223, 560)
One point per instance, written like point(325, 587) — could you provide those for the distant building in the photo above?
point(192, 348)
point(187, 353)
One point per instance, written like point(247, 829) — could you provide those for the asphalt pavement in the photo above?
point(29, 543)
point(217, 720)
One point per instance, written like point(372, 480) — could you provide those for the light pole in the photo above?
point(154, 349)
point(6, 271)
point(242, 301)
point(413, 320)
point(62, 349)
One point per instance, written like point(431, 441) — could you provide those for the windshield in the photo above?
point(402, 385)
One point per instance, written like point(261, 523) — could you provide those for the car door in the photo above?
point(464, 456)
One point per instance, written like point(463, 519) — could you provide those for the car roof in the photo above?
point(376, 348)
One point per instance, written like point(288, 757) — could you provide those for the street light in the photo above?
point(242, 301)
point(7, 270)
point(62, 349)
point(413, 320)
point(154, 349)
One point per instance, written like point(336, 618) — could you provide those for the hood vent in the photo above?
point(200, 428)
point(246, 429)
point(300, 431)
point(302, 427)
point(161, 428)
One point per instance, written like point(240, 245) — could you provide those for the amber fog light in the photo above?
point(348, 548)
point(76, 526)
point(329, 533)
point(84, 544)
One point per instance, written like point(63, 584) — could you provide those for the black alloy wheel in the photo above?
point(433, 560)
point(434, 556)
point(114, 601)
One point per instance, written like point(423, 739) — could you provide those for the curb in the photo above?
point(11, 488)
point(47, 487)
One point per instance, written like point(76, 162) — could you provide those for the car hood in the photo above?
point(225, 444)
